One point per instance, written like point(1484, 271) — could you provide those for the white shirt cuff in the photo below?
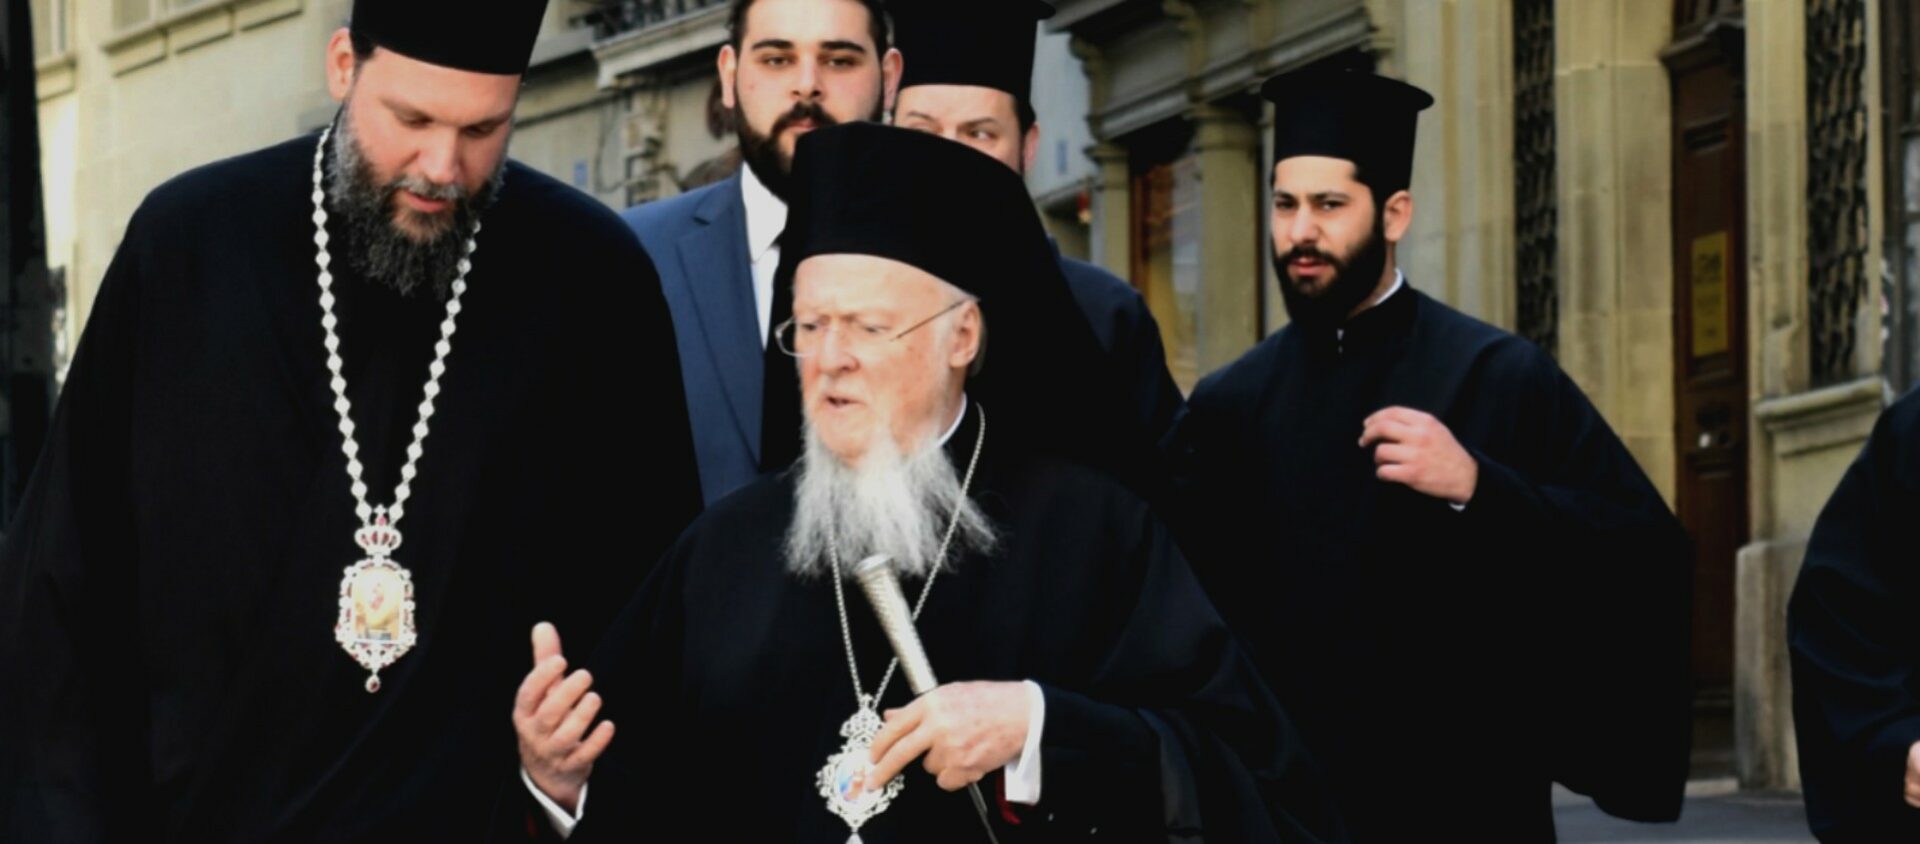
point(563, 822)
point(1023, 776)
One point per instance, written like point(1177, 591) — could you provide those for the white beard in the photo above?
point(895, 505)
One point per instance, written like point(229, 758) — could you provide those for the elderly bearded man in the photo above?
point(1098, 689)
point(969, 80)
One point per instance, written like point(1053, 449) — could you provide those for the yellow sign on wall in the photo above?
point(1709, 283)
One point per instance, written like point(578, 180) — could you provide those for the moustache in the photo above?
point(803, 111)
point(1299, 252)
point(425, 189)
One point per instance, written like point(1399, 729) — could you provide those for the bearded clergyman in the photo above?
point(1423, 531)
point(351, 413)
point(1091, 688)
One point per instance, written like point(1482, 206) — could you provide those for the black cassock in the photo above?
point(1131, 340)
point(728, 680)
point(1851, 629)
point(168, 592)
point(1444, 667)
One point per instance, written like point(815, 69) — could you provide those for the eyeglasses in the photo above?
point(802, 338)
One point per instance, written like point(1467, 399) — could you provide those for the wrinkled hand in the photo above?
point(551, 715)
point(1913, 775)
point(965, 730)
point(1417, 450)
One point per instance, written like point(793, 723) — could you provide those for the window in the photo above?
point(1166, 263)
point(128, 14)
point(1836, 184)
point(1536, 208)
point(51, 28)
point(1900, 93)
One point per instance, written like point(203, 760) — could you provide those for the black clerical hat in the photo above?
point(988, 43)
point(1362, 117)
point(922, 200)
point(483, 36)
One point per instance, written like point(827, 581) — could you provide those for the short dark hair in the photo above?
point(877, 25)
point(1379, 193)
point(1023, 111)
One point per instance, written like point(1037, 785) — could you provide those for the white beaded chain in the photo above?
point(328, 321)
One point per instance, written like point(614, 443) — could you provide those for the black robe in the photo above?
point(168, 591)
point(1131, 339)
point(1444, 667)
point(728, 681)
point(1855, 648)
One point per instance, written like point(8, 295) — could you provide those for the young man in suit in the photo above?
point(788, 67)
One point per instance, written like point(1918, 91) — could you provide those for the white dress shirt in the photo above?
point(1022, 776)
point(766, 219)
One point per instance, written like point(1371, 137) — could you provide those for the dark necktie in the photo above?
point(780, 384)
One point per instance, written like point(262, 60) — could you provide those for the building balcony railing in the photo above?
point(617, 17)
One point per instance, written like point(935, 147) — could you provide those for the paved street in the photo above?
point(1715, 813)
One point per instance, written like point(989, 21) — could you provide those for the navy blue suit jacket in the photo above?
point(698, 241)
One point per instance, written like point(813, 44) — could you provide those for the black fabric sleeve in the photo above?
point(73, 730)
point(1854, 653)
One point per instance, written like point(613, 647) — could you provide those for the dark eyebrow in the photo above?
point(1325, 195)
point(922, 115)
point(772, 43)
point(845, 46)
point(981, 122)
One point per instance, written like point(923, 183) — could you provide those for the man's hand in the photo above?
point(965, 730)
point(551, 715)
point(1913, 775)
point(1418, 451)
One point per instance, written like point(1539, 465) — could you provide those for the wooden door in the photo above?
point(1710, 353)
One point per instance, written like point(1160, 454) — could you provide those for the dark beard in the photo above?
point(1354, 279)
point(376, 248)
point(762, 152)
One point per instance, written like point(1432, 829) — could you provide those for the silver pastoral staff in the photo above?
point(843, 780)
point(882, 585)
point(376, 594)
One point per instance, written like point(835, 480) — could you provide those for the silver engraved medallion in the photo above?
point(376, 603)
point(843, 780)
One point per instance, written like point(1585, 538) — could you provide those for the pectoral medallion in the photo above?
point(843, 781)
point(376, 602)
